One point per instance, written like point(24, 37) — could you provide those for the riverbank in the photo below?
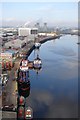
point(43, 40)
point(49, 38)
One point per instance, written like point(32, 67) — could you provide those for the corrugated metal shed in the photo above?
point(15, 43)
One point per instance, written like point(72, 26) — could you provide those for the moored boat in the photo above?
point(37, 63)
point(37, 45)
point(24, 65)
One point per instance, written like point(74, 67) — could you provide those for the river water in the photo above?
point(54, 90)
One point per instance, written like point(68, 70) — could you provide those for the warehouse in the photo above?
point(7, 58)
point(15, 44)
point(30, 33)
point(27, 31)
point(6, 61)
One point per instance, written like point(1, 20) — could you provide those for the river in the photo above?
point(54, 90)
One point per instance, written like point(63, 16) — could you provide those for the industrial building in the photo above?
point(7, 58)
point(9, 54)
point(15, 44)
point(30, 33)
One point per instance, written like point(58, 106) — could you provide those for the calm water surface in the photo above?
point(54, 91)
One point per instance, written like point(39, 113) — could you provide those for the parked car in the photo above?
point(4, 79)
point(8, 107)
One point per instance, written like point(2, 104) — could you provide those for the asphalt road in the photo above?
point(9, 95)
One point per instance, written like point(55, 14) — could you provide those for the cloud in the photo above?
point(48, 105)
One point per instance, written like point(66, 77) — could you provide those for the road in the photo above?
point(9, 95)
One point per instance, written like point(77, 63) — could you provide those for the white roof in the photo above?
point(14, 43)
point(24, 28)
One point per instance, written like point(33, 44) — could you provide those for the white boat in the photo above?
point(37, 63)
point(24, 65)
point(28, 113)
point(37, 45)
point(24, 68)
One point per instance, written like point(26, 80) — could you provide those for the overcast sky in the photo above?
point(55, 14)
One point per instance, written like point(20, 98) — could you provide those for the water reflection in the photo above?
point(46, 105)
point(55, 93)
point(64, 51)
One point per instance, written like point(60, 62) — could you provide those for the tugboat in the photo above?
point(37, 63)
point(37, 45)
point(24, 89)
point(20, 113)
point(24, 65)
point(23, 76)
point(28, 113)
